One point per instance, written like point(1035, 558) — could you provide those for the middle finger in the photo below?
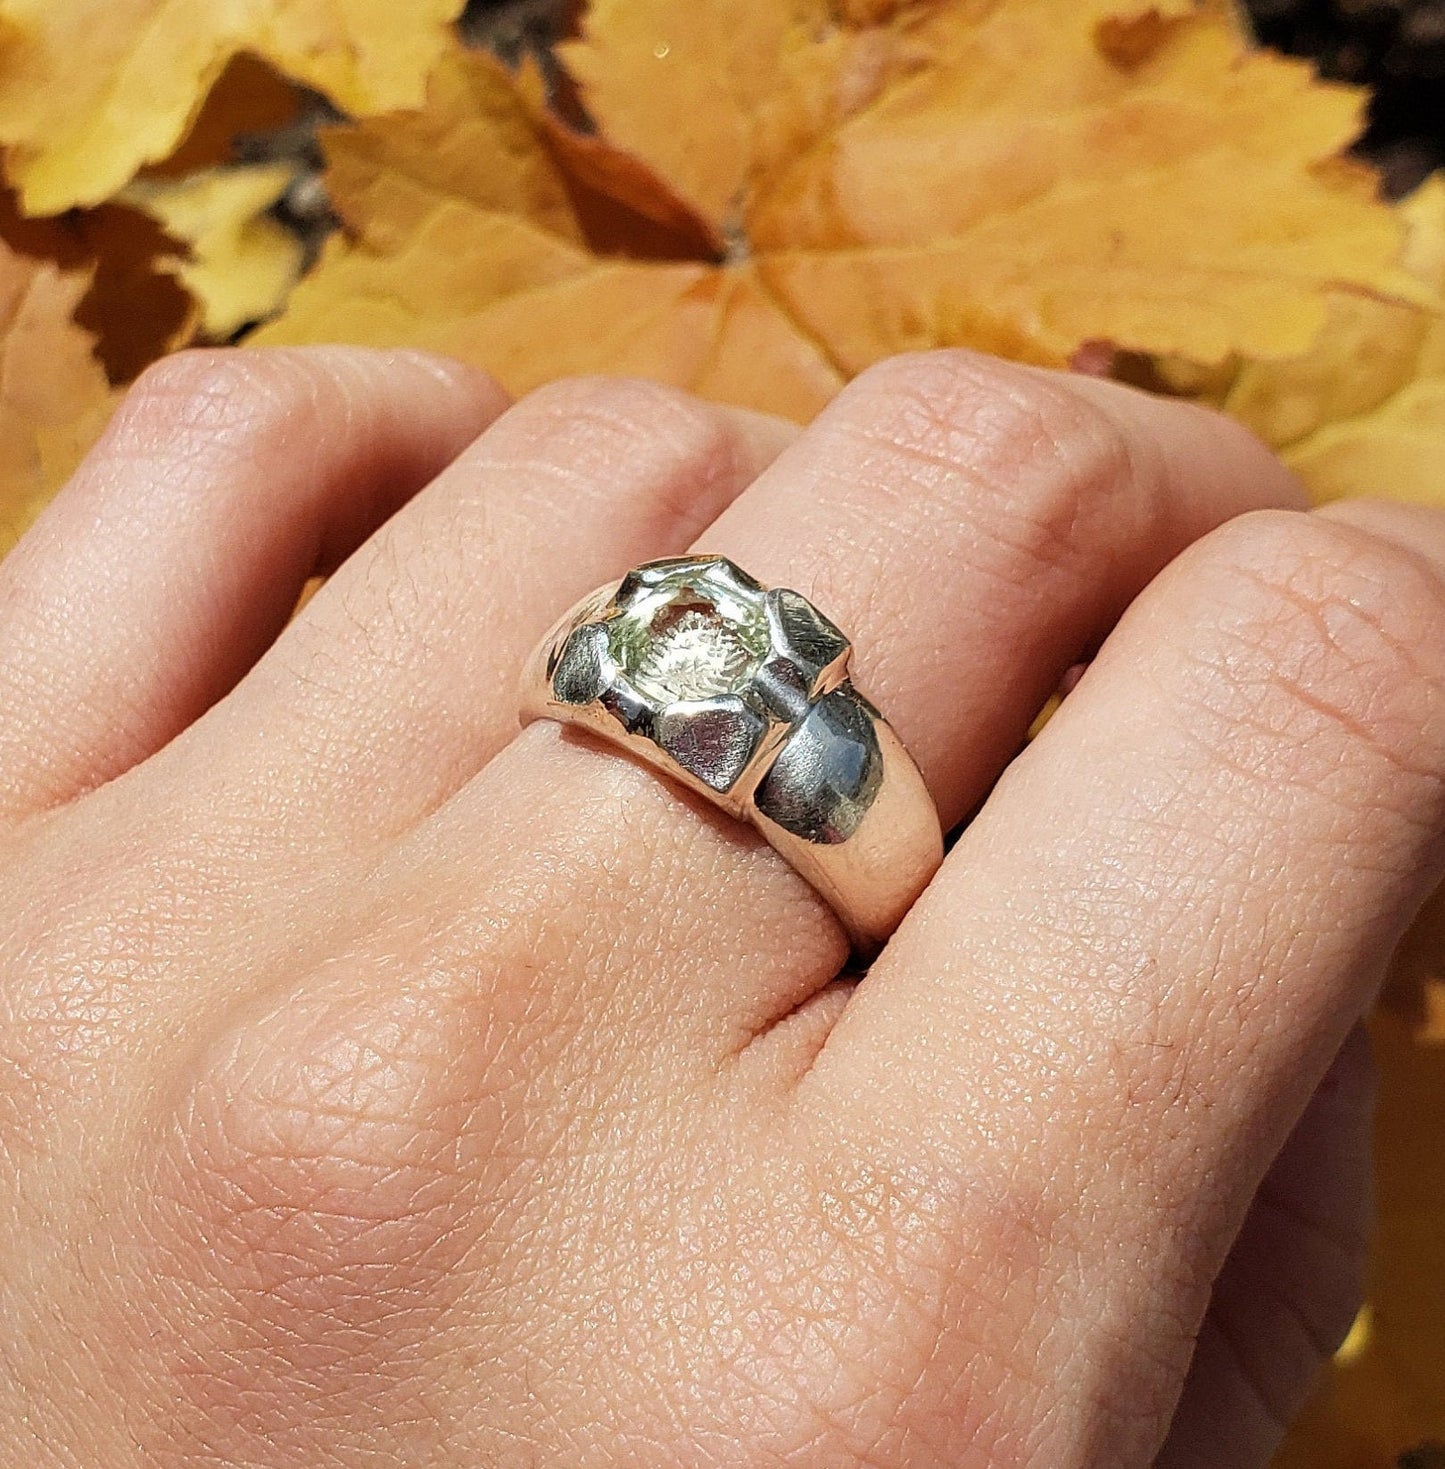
point(396, 681)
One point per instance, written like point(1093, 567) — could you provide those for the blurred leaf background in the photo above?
point(755, 199)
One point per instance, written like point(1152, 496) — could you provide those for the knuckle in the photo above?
point(343, 1115)
point(221, 373)
point(625, 437)
point(626, 410)
point(182, 373)
point(626, 407)
point(1043, 467)
point(589, 391)
point(222, 399)
point(1326, 640)
point(310, 1197)
point(72, 974)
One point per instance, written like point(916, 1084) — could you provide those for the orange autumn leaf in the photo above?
point(1072, 265)
point(1026, 184)
point(54, 397)
point(621, 205)
point(1022, 178)
point(90, 90)
point(743, 71)
point(641, 58)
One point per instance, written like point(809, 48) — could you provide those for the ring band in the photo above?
point(742, 694)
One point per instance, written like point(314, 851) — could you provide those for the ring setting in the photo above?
point(741, 692)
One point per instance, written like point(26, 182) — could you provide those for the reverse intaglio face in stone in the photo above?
point(691, 635)
point(694, 655)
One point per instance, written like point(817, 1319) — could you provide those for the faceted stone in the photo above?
point(692, 653)
point(691, 634)
point(828, 772)
point(693, 657)
point(714, 741)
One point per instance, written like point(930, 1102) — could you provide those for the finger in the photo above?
point(978, 528)
point(399, 679)
point(1291, 1286)
point(180, 547)
point(1136, 964)
point(975, 527)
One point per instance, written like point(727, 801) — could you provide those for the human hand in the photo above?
point(385, 1086)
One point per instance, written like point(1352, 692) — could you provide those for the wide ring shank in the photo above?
point(741, 694)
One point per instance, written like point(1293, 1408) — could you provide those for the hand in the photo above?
point(382, 1086)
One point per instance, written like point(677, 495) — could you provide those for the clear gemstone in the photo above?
point(695, 658)
point(690, 637)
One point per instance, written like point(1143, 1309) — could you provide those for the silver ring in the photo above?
point(741, 694)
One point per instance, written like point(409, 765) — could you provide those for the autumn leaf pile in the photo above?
point(756, 199)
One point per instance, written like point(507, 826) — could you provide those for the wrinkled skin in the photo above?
point(383, 1085)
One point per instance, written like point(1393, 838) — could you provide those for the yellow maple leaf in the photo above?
point(242, 261)
point(92, 89)
point(480, 253)
point(498, 290)
point(1371, 350)
point(1397, 449)
point(1363, 413)
point(54, 397)
point(1021, 178)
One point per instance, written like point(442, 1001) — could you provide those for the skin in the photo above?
point(382, 1085)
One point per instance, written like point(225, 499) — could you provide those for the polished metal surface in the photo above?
point(742, 694)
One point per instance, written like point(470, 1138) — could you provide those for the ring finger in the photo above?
point(977, 528)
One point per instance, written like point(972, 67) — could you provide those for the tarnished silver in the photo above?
point(742, 694)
